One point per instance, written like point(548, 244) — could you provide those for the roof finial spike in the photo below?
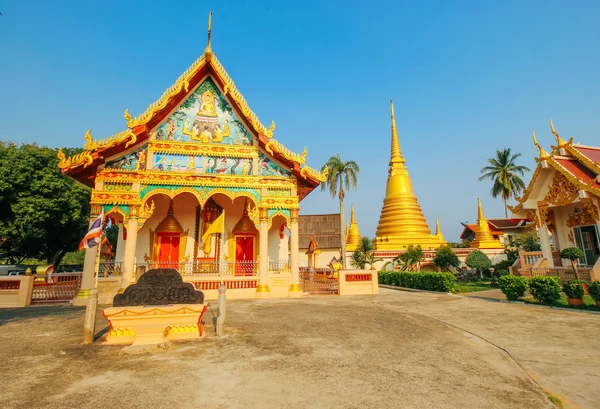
point(479, 210)
point(352, 217)
point(396, 152)
point(208, 49)
point(560, 140)
point(543, 153)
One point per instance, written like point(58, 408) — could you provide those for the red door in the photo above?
point(244, 255)
point(168, 251)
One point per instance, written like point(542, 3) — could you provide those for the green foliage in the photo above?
point(74, 257)
point(513, 287)
point(364, 254)
point(445, 258)
point(545, 289)
point(573, 289)
point(503, 265)
point(478, 261)
point(410, 259)
point(512, 255)
point(454, 245)
point(526, 241)
point(594, 290)
point(572, 253)
point(504, 172)
point(444, 282)
point(342, 175)
point(43, 213)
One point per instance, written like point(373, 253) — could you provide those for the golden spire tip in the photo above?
point(208, 49)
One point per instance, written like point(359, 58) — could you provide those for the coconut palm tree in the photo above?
point(342, 176)
point(504, 172)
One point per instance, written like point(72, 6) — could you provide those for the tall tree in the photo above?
point(505, 174)
point(342, 175)
point(43, 213)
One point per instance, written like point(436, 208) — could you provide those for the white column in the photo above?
point(130, 246)
point(295, 287)
point(89, 265)
point(120, 244)
point(262, 290)
point(545, 242)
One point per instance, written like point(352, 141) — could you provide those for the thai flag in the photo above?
point(93, 237)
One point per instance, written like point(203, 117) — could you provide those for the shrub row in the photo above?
point(545, 289)
point(422, 281)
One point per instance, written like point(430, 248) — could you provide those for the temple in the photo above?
point(402, 223)
point(501, 229)
point(198, 183)
point(562, 199)
point(483, 235)
point(353, 238)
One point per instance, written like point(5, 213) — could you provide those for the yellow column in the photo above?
point(130, 246)
point(262, 290)
point(295, 287)
point(89, 265)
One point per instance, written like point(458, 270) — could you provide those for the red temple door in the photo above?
point(244, 254)
point(168, 252)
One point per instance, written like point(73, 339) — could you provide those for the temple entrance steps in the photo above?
point(319, 282)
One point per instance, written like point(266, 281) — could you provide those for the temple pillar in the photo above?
point(120, 244)
point(89, 265)
point(295, 287)
point(262, 289)
point(130, 247)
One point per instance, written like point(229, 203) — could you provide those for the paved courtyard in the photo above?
point(395, 350)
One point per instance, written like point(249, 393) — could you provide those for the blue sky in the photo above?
point(466, 77)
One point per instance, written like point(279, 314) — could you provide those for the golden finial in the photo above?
point(479, 210)
point(208, 49)
point(271, 129)
point(352, 217)
point(304, 153)
point(438, 231)
point(61, 157)
point(127, 115)
point(396, 152)
point(560, 140)
point(543, 153)
point(88, 140)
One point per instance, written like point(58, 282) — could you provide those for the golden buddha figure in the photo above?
point(207, 104)
point(218, 136)
point(205, 136)
point(192, 164)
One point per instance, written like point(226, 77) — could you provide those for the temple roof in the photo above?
point(83, 166)
point(497, 226)
point(324, 227)
point(578, 163)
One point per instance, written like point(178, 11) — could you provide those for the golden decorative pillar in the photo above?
point(262, 289)
point(352, 235)
point(130, 246)
point(483, 236)
point(401, 223)
point(89, 265)
point(295, 287)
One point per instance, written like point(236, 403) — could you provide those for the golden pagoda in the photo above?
point(401, 223)
point(352, 234)
point(483, 236)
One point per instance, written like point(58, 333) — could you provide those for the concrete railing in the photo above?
point(15, 291)
point(355, 282)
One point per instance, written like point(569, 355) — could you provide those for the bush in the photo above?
point(423, 281)
point(503, 265)
point(572, 253)
point(573, 289)
point(445, 258)
point(594, 290)
point(477, 260)
point(545, 289)
point(513, 287)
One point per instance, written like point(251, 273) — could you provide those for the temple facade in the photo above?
point(562, 199)
point(199, 184)
point(402, 223)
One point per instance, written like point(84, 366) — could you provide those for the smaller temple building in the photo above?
point(562, 199)
point(319, 239)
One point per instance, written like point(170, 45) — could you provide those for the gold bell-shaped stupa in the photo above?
point(401, 223)
point(483, 236)
point(352, 234)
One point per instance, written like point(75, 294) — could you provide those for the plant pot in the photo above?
point(575, 301)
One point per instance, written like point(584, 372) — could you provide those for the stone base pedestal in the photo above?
point(154, 324)
point(262, 292)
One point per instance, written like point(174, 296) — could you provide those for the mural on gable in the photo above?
point(205, 117)
point(202, 164)
point(135, 160)
point(178, 163)
point(229, 166)
point(266, 167)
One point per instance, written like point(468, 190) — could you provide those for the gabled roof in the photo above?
point(497, 226)
point(579, 164)
point(83, 166)
point(324, 227)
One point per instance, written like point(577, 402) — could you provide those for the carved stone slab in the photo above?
point(160, 286)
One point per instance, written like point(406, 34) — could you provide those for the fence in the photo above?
point(564, 274)
point(59, 287)
point(109, 268)
point(222, 268)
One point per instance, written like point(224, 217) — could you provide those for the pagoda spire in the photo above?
point(352, 233)
point(208, 49)
point(401, 223)
point(438, 231)
point(396, 156)
point(483, 236)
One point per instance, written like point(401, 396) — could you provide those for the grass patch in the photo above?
point(469, 287)
point(554, 400)
point(588, 303)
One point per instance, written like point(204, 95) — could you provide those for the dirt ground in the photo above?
point(394, 350)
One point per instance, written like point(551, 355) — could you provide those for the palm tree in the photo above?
point(364, 255)
point(504, 172)
point(342, 175)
